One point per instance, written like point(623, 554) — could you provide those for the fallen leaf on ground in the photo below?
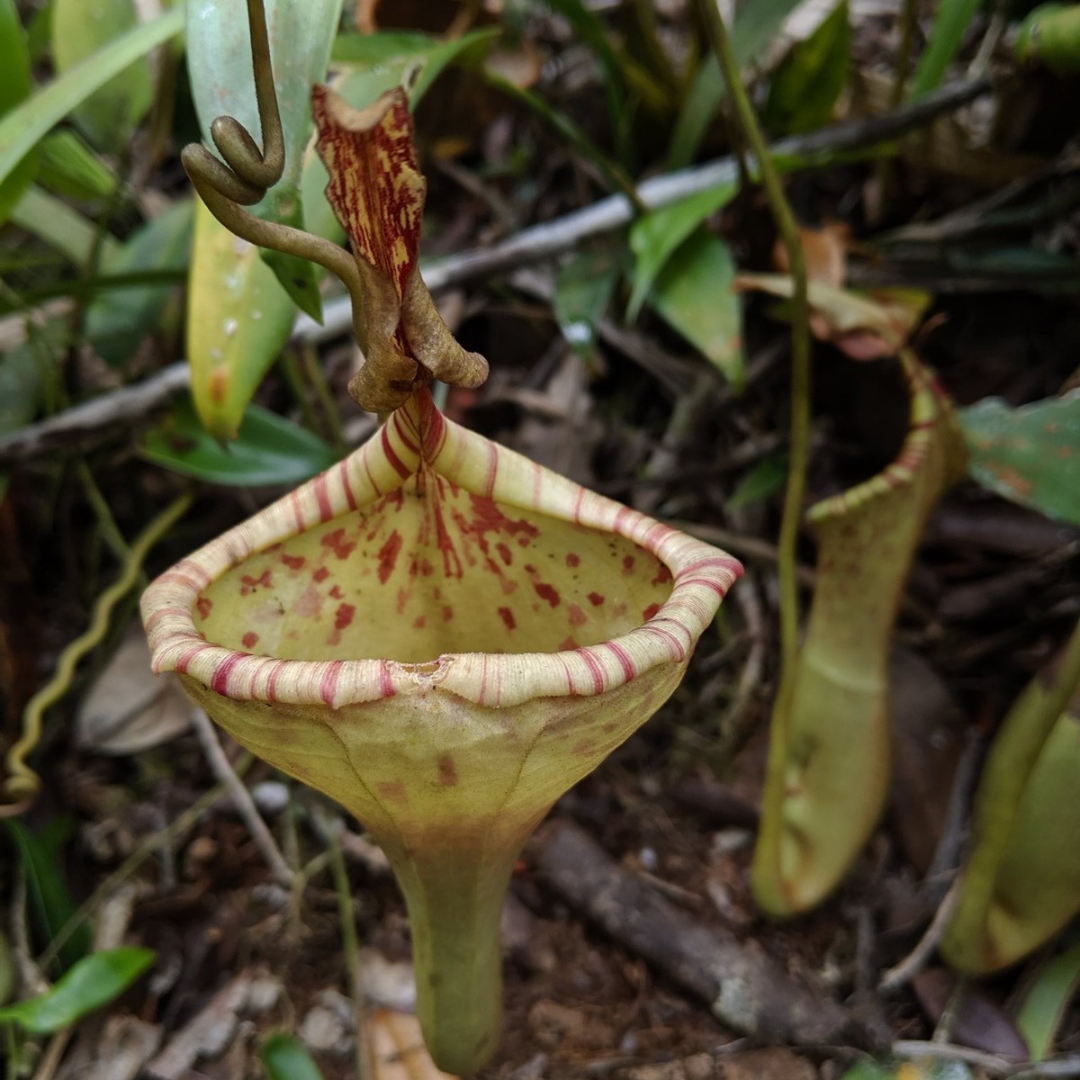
point(129, 709)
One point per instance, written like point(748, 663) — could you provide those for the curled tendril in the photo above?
point(248, 171)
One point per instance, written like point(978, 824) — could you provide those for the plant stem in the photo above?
point(800, 336)
point(800, 405)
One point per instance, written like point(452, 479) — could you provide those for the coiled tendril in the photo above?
point(248, 172)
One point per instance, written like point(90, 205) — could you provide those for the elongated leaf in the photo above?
point(1030, 455)
point(80, 29)
point(301, 33)
point(1046, 1001)
point(23, 127)
point(285, 1058)
point(49, 893)
point(268, 450)
point(694, 294)
point(118, 319)
point(60, 226)
point(805, 88)
point(14, 88)
point(239, 317)
point(583, 289)
point(655, 236)
point(68, 167)
point(94, 981)
point(951, 22)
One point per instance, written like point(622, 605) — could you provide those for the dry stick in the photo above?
point(744, 987)
point(245, 805)
point(80, 427)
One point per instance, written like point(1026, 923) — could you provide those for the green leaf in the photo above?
point(755, 26)
point(694, 295)
point(301, 34)
point(239, 318)
point(951, 22)
point(20, 388)
point(22, 128)
point(285, 1058)
point(14, 88)
point(118, 319)
point(61, 227)
point(1046, 1001)
point(1030, 455)
point(268, 450)
point(94, 981)
point(806, 86)
point(50, 896)
point(583, 289)
point(68, 167)
point(761, 481)
point(80, 29)
point(655, 236)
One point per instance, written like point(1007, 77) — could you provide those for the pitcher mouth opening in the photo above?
point(433, 557)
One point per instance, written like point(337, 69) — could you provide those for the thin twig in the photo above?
point(244, 803)
point(993, 1064)
point(902, 973)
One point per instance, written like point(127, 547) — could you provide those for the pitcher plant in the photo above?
point(436, 632)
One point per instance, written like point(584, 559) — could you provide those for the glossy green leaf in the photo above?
point(80, 29)
point(23, 127)
point(239, 318)
point(14, 87)
point(694, 295)
point(655, 236)
point(94, 981)
point(583, 288)
point(60, 226)
point(952, 19)
point(1030, 455)
point(268, 450)
point(301, 33)
point(285, 1058)
point(68, 167)
point(760, 482)
point(118, 319)
point(806, 86)
point(755, 26)
point(1046, 1001)
point(50, 897)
